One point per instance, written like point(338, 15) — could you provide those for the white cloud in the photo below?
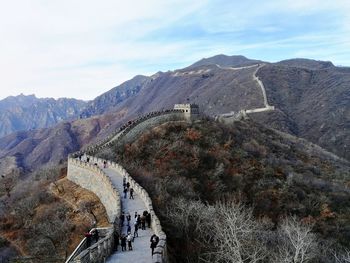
point(81, 48)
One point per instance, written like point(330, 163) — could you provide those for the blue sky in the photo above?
point(82, 48)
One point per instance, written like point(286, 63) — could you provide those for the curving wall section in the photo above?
point(91, 177)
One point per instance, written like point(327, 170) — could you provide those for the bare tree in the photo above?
point(297, 244)
point(342, 257)
point(236, 235)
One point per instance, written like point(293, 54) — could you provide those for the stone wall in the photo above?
point(160, 252)
point(92, 178)
point(147, 124)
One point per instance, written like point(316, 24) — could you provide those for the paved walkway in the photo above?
point(141, 252)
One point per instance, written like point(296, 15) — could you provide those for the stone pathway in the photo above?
point(141, 252)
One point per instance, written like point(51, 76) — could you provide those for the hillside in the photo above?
point(21, 113)
point(311, 97)
point(45, 216)
point(275, 173)
point(312, 104)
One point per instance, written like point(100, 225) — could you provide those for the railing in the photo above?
point(98, 251)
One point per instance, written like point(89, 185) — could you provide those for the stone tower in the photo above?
point(191, 111)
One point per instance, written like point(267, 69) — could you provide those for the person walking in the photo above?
point(121, 219)
point(128, 230)
point(128, 218)
point(136, 229)
point(128, 185)
point(129, 239)
point(123, 242)
point(116, 240)
point(131, 193)
point(125, 192)
point(135, 215)
point(143, 222)
point(104, 164)
point(148, 219)
point(154, 241)
point(138, 221)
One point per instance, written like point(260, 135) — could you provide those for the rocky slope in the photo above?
point(110, 100)
point(312, 103)
point(28, 112)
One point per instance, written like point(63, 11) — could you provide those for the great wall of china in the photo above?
point(106, 183)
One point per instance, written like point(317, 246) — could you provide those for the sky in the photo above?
point(82, 48)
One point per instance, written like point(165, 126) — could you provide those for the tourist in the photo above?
point(128, 218)
point(128, 230)
point(136, 229)
point(125, 192)
point(116, 240)
point(135, 215)
point(129, 239)
point(88, 238)
point(139, 221)
point(104, 164)
point(148, 219)
point(123, 242)
point(128, 185)
point(143, 222)
point(154, 241)
point(121, 219)
point(131, 193)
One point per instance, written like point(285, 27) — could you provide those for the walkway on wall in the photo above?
point(141, 252)
point(267, 107)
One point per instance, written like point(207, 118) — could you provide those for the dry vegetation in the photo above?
point(45, 216)
point(280, 188)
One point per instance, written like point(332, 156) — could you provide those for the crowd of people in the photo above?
point(125, 240)
point(140, 221)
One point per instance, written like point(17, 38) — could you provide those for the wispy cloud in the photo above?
point(83, 48)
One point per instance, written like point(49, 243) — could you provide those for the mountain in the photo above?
point(109, 100)
point(306, 63)
point(311, 102)
point(225, 61)
point(50, 146)
point(16, 101)
point(28, 112)
point(311, 97)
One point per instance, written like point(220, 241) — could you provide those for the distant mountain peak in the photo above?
point(225, 61)
point(306, 63)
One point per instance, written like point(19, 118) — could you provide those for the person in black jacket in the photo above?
point(123, 242)
point(154, 241)
point(116, 240)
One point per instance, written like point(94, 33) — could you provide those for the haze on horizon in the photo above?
point(82, 48)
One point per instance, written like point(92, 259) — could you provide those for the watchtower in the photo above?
point(191, 111)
